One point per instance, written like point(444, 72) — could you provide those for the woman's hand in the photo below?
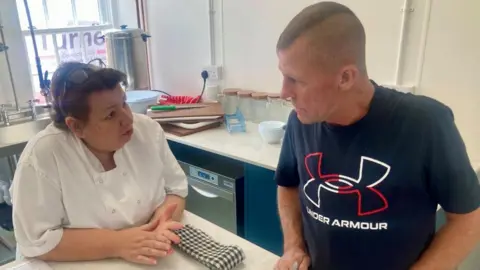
point(169, 200)
point(166, 225)
point(142, 244)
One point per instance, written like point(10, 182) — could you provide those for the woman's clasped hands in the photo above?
point(147, 243)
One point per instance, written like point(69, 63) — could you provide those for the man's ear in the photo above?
point(348, 75)
point(75, 126)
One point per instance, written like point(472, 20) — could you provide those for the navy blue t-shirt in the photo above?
point(369, 191)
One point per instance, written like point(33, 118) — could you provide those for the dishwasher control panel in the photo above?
point(210, 177)
point(206, 176)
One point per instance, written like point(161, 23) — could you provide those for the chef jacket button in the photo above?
point(100, 181)
point(138, 201)
point(113, 211)
point(124, 174)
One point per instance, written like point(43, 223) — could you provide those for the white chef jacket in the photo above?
point(60, 184)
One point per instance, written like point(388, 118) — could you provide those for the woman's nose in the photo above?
point(127, 117)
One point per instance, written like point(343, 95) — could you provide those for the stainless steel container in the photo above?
point(127, 52)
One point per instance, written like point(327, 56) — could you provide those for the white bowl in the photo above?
point(139, 100)
point(271, 131)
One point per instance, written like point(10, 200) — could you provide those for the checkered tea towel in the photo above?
point(207, 251)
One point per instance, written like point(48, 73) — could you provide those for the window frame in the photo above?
point(107, 14)
point(52, 32)
point(105, 8)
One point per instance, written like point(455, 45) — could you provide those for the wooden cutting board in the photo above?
point(179, 131)
point(212, 109)
point(193, 119)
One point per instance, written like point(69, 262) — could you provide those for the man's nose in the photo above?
point(286, 92)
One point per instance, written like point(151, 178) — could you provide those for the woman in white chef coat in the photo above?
point(99, 182)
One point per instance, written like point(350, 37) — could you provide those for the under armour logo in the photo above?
point(363, 187)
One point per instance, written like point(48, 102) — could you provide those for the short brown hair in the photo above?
point(330, 26)
point(72, 99)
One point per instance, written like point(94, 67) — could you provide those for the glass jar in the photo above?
point(245, 104)
point(287, 109)
point(230, 100)
point(259, 107)
point(275, 107)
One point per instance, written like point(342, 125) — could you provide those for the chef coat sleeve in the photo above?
point(38, 211)
point(451, 178)
point(286, 174)
point(175, 178)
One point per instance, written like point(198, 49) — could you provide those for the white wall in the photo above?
point(126, 13)
point(179, 46)
point(252, 28)
point(451, 68)
point(247, 32)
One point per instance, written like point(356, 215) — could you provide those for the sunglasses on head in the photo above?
point(79, 76)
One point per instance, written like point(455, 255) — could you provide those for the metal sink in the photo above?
point(14, 137)
point(21, 132)
point(24, 114)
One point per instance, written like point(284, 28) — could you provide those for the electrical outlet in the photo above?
point(214, 72)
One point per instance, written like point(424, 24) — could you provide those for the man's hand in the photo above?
point(290, 217)
point(293, 257)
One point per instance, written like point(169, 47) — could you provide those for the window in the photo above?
point(65, 30)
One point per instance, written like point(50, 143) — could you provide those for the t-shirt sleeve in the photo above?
point(286, 174)
point(451, 179)
point(38, 212)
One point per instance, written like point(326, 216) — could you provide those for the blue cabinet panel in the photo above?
point(262, 224)
point(258, 221)
point(219, 165)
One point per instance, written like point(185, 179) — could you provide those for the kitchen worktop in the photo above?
point(256, 257)
point(246, 147)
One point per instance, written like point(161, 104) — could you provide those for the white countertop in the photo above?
point(256, 257)
point(246, 147)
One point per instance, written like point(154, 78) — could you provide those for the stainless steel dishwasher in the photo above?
point(215, 192)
